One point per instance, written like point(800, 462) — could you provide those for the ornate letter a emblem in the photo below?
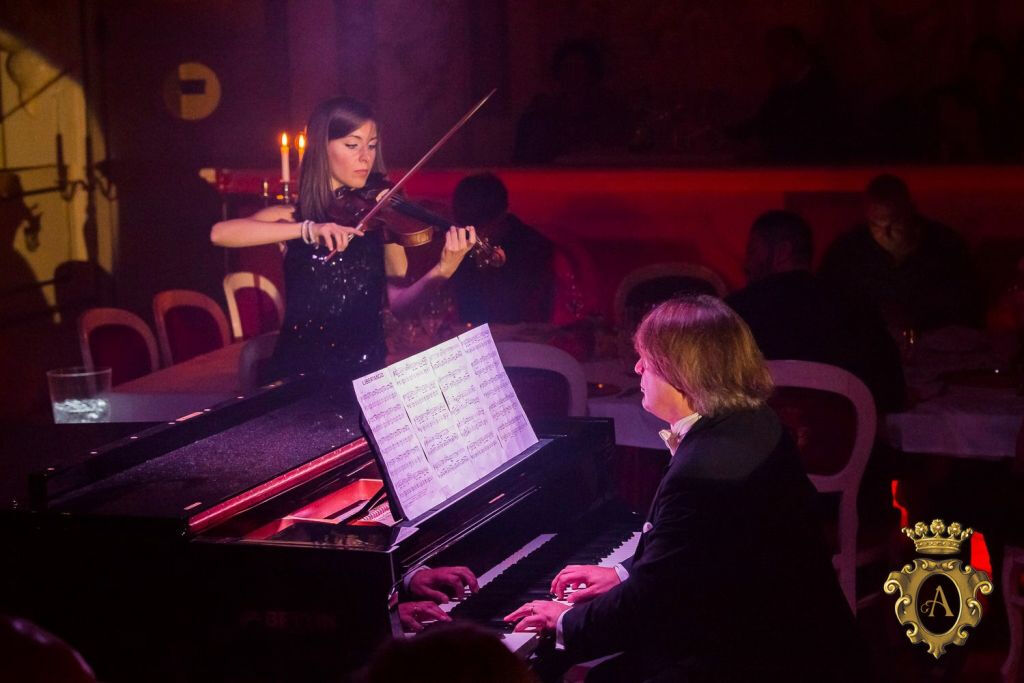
point(937, 597)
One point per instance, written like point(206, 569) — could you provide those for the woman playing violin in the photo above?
point(338, 279)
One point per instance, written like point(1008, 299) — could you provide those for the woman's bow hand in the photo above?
point(333, 236)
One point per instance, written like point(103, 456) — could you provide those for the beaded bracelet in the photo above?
point(306, 231)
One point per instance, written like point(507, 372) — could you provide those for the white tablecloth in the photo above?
point(968, 422)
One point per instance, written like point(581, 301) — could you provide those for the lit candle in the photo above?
point(300, 142)
point(286, 175)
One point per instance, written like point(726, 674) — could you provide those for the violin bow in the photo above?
point(426, 157)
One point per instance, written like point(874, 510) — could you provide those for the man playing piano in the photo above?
point(731, 579)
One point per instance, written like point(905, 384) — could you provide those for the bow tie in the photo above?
point(671, 439)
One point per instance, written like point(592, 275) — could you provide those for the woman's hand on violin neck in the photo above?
point(457, 243)
point(335, 237)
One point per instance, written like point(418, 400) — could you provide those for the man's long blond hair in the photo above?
point(704, 349)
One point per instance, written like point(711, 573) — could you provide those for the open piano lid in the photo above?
point(186, 476)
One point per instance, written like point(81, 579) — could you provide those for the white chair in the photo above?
point(180, 342)
point(115, 349)
point(664, 271)
point(254, 353)
point(241, 281)
point(845, 481)
point(541, 356)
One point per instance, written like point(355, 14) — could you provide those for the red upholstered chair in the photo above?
point(548, 381)
point(255, 306)
point(648, 286)
point(118, 339)
point(188, 324)
point(831, 415)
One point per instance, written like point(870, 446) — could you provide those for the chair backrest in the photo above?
point(188, 324)
point(251, 360)
point(255, 305)
point(832, 416)
point(645, 287)
point(118, 339)
point(548, 381)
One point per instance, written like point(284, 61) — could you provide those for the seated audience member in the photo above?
point(33, 655)
point(915, 271)
point(731, 558)
point(579, 115)
point(450, 653)
point(521, 289)
point(799, 120)
point(432, 587)
point(795, 316)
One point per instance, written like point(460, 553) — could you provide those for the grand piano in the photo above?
point(254, 541)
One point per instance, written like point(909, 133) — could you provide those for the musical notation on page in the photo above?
point(443, 419)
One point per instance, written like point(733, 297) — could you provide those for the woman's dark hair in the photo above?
point(331, 119)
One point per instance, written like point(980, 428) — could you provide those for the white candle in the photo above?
point(286, 175)
point(300, 144)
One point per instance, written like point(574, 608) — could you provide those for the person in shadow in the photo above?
point(580, 115)
point(794, 315)
point(33, 655)
point(519, 290)
point(799, 120)
point(27, 331)
point(915, 271)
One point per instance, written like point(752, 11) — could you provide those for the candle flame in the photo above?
point(301, 141)
point(284, 139)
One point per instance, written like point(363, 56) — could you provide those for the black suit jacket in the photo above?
point(733, 579)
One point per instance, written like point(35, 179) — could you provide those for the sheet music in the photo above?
point(443, 419)
point(501, 403)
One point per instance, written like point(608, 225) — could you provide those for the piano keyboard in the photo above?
point(605, 539)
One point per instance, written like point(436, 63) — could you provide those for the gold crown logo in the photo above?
point(937, 539)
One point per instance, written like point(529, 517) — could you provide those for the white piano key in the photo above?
point(518, 642)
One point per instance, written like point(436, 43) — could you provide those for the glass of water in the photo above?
point(79, 394)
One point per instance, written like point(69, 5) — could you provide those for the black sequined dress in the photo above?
point(332, 323)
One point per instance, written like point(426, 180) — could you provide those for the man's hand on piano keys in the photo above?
point(443, 583)
point(596, 580)
point(413, 614)
point(538, 615)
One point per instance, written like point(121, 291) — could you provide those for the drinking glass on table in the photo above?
point(79, 394)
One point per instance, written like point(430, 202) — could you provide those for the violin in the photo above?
point(400, 221)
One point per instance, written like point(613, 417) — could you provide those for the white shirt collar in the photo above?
point(674, 435)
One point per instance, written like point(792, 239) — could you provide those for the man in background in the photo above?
point(915, 271)
point(521, 289)
point(794, 315)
